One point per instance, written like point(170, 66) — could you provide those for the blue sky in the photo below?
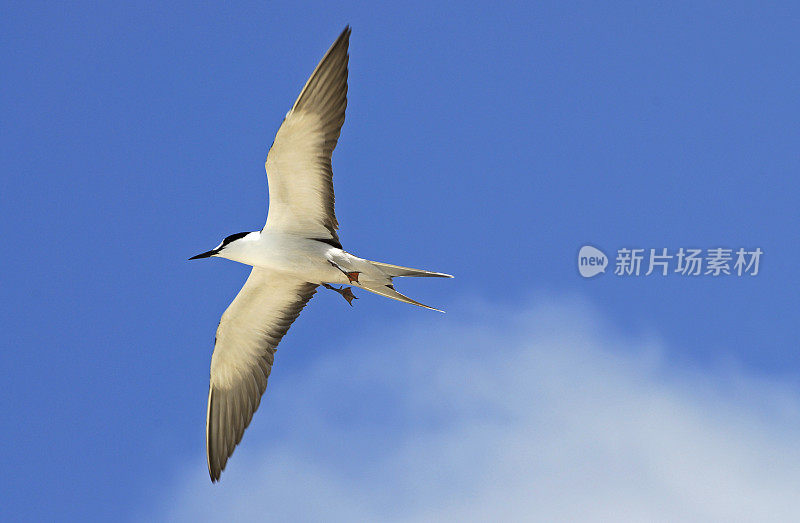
point(487, 142)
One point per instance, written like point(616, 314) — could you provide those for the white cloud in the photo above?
point(544, 414)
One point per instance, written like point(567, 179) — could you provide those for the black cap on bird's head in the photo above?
point(218, 248)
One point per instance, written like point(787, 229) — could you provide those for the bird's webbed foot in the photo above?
point(346, 292)
point(352, 276)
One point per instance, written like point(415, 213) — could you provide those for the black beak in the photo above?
point(212, 252)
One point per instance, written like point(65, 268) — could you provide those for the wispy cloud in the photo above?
point(545, 413)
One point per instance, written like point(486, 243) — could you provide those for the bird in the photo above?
point(297, 251)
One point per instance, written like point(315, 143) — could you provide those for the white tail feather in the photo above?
point(397, 270)
point(389, 292)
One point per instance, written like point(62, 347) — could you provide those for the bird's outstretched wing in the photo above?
point(247, 337)
point(299, 162)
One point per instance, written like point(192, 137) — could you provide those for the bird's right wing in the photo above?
point(247, 337)
point(299, 162)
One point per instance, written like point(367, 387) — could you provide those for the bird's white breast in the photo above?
point(294, 255)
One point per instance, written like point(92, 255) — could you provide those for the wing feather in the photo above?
point(244, 351)
point(299, 171)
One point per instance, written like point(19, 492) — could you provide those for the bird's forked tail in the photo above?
point(393, 271)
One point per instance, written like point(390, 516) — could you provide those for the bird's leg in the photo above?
point(352, 276)
point(346, 292)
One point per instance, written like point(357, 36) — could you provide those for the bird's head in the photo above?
point(226, 248)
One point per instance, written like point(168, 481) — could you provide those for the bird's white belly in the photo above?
point(305, 259)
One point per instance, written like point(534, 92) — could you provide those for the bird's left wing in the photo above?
point(298, 165)
point(247, 337)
